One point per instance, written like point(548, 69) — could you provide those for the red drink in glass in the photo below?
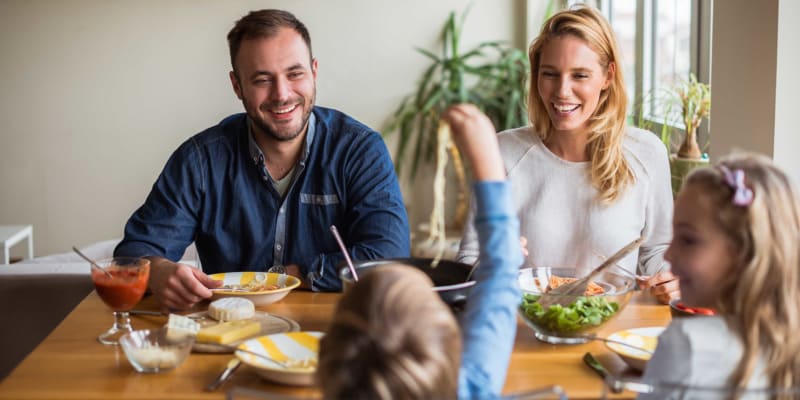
point(120, 282)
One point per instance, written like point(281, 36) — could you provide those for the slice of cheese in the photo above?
point(179, 327)
point(231, 309)
point(228, 332)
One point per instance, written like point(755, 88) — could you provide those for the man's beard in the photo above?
point(264, 127)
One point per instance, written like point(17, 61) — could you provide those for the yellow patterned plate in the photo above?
point(298, 350)
point(244, 280)
point(644, 338)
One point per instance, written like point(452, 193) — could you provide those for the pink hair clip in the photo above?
point(742, 195)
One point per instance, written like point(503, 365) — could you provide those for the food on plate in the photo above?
point(305, 364)
point(179, 327)
point(231, 309)
point(257, 284)
point(584, 313)
point(694, 310)
point(228, 332)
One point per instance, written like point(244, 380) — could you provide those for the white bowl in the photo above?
point(644, 338)
point(150, 351)
point(260, 297)
point(283, 347)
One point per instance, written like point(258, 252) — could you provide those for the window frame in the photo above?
point(700, 53)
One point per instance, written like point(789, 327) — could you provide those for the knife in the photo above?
point(616, 385)
point(223, 377)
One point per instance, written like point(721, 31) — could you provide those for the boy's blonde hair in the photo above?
point(762, 294)
point(391, 337)
point(610, 173)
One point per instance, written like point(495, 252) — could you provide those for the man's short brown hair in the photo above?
point(264, 24)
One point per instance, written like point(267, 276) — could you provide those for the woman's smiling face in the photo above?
point(570, 82)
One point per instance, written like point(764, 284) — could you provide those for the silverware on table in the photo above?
point(615, 384)
point(223, 377)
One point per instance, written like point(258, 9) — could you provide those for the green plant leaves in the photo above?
point(491, 75)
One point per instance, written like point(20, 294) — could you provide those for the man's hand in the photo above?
point(294, 270)
point(179, 286)
point(664, 286)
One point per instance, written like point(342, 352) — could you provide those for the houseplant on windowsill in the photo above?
point(491, 75)
point(687, 103)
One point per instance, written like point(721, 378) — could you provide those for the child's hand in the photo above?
point(476, 138)
point(664, 286)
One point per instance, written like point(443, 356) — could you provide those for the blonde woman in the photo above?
point(584, 183)
point(735, 249)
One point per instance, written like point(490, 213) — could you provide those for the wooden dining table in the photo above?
point(71, 364)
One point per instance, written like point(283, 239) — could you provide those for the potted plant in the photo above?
point(687, 103)
point(491, 75)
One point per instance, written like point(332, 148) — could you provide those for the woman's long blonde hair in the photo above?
point(610, 173)
point(391, 338)
point(761, 295)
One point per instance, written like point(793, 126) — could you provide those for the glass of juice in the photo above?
point(121, 283)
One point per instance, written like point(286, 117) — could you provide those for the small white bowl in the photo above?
point(644, 338)
point(283, 347)
point(259, 298)
point(150, 351)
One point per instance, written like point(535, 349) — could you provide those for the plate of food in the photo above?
point(635, 346)
point(261, 288)
point(287, 358)
point(227, 323)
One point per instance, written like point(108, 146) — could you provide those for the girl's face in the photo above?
point(570, 81)
point(701, 254)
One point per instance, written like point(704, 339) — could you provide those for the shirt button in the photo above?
point(282, 211)
point(278, 247)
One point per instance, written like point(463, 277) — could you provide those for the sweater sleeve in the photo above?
point(658, 214)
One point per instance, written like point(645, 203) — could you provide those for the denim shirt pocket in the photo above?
point(319, 199)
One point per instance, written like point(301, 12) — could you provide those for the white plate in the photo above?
point(644, 338)
point(259, 298)
point(283, 347)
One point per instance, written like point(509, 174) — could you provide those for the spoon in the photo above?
point(344, 251)
point(93, 264)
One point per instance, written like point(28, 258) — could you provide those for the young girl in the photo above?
point(393, 338)
point(736, 248)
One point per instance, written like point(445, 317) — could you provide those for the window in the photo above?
point(662, 42)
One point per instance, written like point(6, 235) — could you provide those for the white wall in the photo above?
point(95, 95)
point(787, 133)
point(754, 80)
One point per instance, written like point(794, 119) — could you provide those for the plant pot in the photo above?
point(681, 167)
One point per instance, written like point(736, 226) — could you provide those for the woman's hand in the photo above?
point(663, 285)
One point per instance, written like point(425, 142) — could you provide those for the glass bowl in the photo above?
point(150, 351)
point(575, 318)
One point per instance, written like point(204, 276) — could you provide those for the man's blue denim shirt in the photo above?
point(214, 192)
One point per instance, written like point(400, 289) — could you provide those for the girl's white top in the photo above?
point(698, 352)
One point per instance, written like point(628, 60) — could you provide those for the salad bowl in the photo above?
point(574, 321)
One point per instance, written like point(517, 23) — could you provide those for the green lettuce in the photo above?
point(584, 313)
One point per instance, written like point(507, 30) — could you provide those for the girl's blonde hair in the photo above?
point(610, 173)
point(391, 338)
point(762, 294)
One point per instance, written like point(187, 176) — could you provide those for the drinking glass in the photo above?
point(121, 283)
